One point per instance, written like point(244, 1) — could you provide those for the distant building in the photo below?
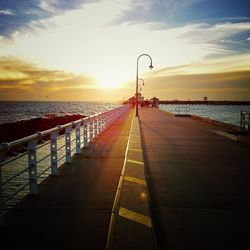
point(155, 102)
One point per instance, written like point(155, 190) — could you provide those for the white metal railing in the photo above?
point(44, 152)
point(182, 110)
point(245, 121)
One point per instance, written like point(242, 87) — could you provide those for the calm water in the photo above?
point(225, 113)
point(16, 111)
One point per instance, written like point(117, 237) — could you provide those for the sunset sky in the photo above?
point(86, 50)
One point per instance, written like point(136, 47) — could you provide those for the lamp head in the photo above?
point(151, 66)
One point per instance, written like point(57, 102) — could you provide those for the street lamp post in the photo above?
point(150, 66)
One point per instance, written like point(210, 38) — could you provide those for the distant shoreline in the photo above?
point(176, 102)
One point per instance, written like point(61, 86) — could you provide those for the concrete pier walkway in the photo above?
point(73, 210)
point(198, 181)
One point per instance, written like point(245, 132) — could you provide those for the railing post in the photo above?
point(94, 128)
point(85, 133)
point(108, 119)
point(53, 155)
point(1, 195)
point(68, 143)
point(4, 147)
point(78, 138)
point(102, 122)
point(90, 129)
point(98, 122)
point(97, 125)
point(32, 161)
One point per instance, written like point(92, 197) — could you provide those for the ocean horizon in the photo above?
point(14, 111)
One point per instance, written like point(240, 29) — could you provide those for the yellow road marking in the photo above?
point(139, 218)
point(134, 141)
point(135, 149)
point(135, 180)
point(136, 162)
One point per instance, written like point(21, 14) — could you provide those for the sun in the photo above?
point(112, 81)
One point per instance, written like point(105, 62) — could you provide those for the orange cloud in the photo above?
point(22, 81)
point(228, 85)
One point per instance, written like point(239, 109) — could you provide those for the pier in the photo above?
point(197, 102)
point(156, 181)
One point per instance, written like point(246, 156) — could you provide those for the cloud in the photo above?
point(229, 85)
point(18, 77)
point(225, 64)
point(175, 13)
point(60, 6)
point(154, 10)
point(16, 15)
point(213, 33)
point(6, 12)
point(90, 41)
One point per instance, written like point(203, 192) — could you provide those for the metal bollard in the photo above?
point(32, 161)
point(53, 156)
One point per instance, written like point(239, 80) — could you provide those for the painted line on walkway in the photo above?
point(134, 141)
point(120, 206)
point(135, 149)
point(115, 208)
point(135, 162)
point(135, 180)
point(134, 216)
point(135, 135)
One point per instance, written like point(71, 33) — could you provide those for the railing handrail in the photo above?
point(6, 146)
point(186, 109)
point(245, 120)
point(90, 126)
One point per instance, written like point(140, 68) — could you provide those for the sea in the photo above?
point(230, 114)
point(17, 111)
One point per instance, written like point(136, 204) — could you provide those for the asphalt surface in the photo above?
point(73, 210)
point(198, 182)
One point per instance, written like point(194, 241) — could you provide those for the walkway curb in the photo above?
point(131, 224)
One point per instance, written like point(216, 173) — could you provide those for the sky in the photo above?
point(87, 50)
